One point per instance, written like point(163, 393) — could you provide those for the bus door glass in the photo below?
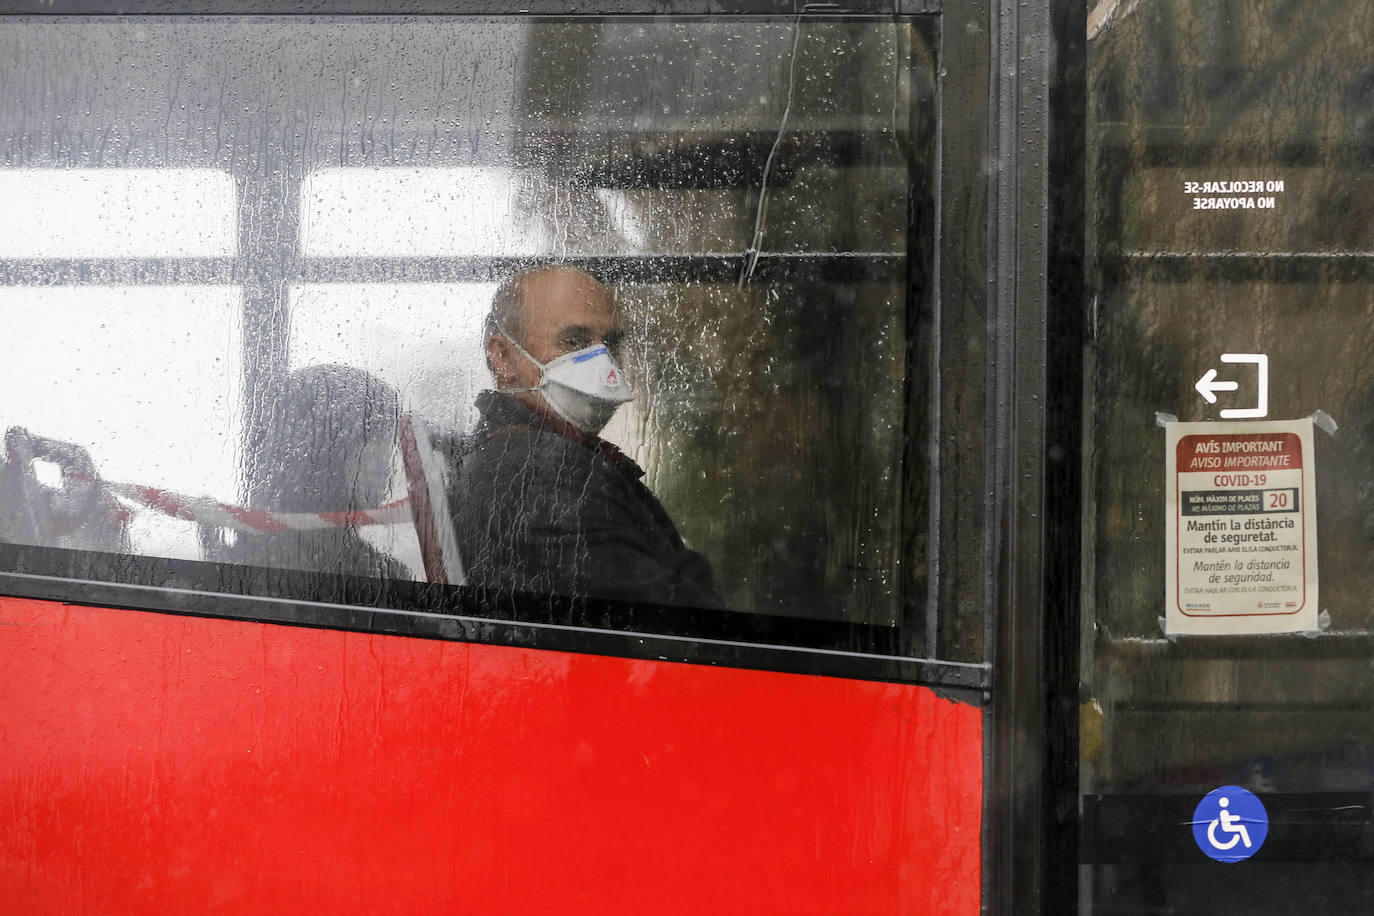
point(1227, 729)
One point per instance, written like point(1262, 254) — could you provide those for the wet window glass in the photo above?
point(1231, 239)
point(626, 309)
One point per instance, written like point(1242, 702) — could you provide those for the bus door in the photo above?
point(1226, 735)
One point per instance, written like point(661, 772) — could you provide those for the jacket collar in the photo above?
point(501, 410)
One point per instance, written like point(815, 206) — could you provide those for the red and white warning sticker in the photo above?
point(1241, 536)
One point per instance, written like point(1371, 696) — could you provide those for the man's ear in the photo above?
point(499, 356)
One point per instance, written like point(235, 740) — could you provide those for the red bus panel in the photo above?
point(152, 763)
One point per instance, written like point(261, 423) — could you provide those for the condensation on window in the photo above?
point(118, 213)
point(111, 390)
point(349, 193)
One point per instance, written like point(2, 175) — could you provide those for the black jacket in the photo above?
point(540, 507)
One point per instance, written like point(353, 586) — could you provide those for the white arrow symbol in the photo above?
point(1205, 386)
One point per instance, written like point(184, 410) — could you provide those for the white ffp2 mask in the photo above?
point(583, 387)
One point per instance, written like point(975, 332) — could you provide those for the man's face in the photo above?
point(565, 310)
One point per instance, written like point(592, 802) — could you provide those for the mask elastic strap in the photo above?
point(510, 338)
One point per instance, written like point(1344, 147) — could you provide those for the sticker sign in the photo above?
point(1245, 194)
point(1241, 539)
point(1230, 824)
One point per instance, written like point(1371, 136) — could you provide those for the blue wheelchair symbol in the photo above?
point(1230, 824)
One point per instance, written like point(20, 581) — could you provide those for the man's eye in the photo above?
point(576, 342)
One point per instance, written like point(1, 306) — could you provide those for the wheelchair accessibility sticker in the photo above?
point(1230, 824)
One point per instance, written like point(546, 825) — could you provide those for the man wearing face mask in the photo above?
point(540, 503)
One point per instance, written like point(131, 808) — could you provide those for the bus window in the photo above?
point(746, 194)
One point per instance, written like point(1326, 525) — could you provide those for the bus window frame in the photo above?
point(813, 647)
